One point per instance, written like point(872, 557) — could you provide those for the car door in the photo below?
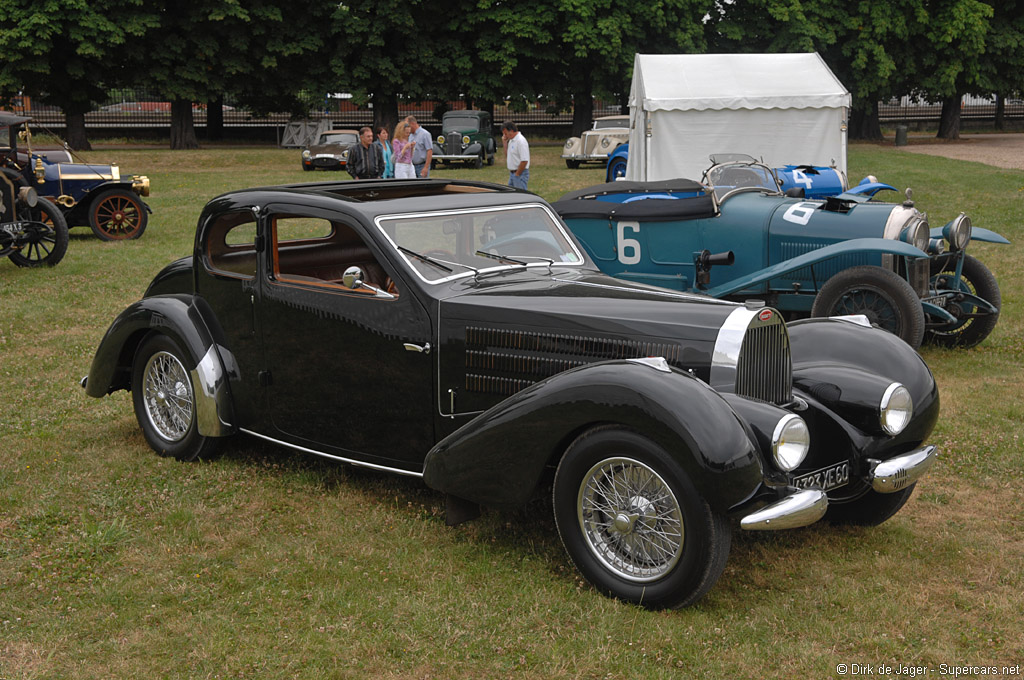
point(345, 370)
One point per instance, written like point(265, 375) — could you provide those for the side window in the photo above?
point(231, 245)
point(317, 252)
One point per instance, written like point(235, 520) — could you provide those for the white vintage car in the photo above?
point(595, 144)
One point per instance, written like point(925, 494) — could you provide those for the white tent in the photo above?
point(784, 108)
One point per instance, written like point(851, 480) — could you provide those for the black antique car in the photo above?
point(456, 332)
point(466, 137)
point(91, 195)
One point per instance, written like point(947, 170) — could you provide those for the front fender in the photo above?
point(182, 318)
point(857, 245)
point(977, 234)
point(499, 457)
point(474, 149)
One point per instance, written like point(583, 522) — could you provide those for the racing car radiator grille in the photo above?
point(765, 370)
point(505, 362)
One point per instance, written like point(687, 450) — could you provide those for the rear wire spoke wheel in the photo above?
point(885, 298)
point(117, 215)
point(48, 243)
point(971, 328)
point(164, 397)
point(617, 169)
point(634, 524)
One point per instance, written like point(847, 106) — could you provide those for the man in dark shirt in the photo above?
point(365, 160)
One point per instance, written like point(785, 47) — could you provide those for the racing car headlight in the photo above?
point(895, 409)
point(790, 442)
point(958, 232)
point(916, 234)
point(306, 154)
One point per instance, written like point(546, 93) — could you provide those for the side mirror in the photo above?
point(353, 277)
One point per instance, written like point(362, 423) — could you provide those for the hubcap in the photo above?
point(631, 519)
point(167, 395)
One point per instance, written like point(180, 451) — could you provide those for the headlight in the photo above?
point(936, 246)
point(440, 140)
point(306, 154)
point(895, 409)
point(465, 139)
point(28, 197)
point(916, 234)
point(568, 143)
point(344, 154)
point(605, 142)
point(958, 232)
point(790, 442)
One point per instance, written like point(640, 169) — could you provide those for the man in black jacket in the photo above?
point(365, 160)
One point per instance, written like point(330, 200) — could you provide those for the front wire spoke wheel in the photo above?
point(170, 404)
point(631, 519)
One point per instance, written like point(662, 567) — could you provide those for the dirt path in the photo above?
point(1000, 150)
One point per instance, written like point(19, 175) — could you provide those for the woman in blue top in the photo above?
point(385, 147)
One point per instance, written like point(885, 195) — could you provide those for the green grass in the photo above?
point(115, 563)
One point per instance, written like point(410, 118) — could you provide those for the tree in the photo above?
point(1002, 70)
point(68, 52)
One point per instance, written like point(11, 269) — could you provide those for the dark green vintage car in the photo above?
point(466, 137)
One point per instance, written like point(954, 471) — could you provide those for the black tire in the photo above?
point(48, 246)
point(616, 169)
point(869, 510)
point(117, 215)
point(881, 295)
point(975, 278)
point(490, 159)
point(479, 162)
point(164, 399)
point(612, 469)
point(571, 164)
point(307, 168)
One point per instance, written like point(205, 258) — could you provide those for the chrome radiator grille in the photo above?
point(764, 371)
point(590, 143)
point(752, 356)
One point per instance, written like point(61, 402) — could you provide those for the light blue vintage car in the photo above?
point(737, 235)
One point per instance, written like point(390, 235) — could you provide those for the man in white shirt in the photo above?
point(517, 155)
point(423, 152)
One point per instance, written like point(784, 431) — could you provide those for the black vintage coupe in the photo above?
point(455, 331)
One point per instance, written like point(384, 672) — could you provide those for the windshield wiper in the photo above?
point(500, 258)
point(424, 258)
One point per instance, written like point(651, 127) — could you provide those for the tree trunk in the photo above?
point(76, 136)
point(183, 132)
point(385, 112)
point(1000, 111)
point(582, 112)
point(949, 124)
point(864, 122)
point(215, 118)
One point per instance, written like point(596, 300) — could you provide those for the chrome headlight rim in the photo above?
point(895, 409)
point(307, 154)
point(791, 442)
point(958, 232)
point(917, 233)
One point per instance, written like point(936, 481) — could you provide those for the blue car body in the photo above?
point(736, 235)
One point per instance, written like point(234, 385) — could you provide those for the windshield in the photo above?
point(461, 124)
point(614, 123)
point(530, 235)
point(730, 177)
point(345, 138)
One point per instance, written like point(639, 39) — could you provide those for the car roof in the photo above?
point(464, 112)
point(391, 196)
point(7, 119)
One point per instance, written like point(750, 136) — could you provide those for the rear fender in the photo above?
point(857, 245)
point(184, 319)
point(499, 458)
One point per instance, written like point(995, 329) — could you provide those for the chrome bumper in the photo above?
point(896, 474)
point(801, 508)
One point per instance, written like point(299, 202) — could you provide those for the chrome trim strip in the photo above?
point(898, 473)
point(726, 357)
point(859, 319)
point(212, 400)
point(652, 291)
point(657, 363)
point(341, 459)
point(799, 509)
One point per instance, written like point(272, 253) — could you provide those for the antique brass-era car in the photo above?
point(456, 332)
point(86, 194)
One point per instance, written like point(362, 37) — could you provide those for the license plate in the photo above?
point(825, 479)
point(938, 300)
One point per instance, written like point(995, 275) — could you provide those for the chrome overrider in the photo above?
point(807, 506)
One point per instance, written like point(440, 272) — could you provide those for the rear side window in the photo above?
point(231, 245)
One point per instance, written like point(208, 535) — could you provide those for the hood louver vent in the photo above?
point(505, 362)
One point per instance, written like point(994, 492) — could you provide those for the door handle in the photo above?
point(410, 347)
